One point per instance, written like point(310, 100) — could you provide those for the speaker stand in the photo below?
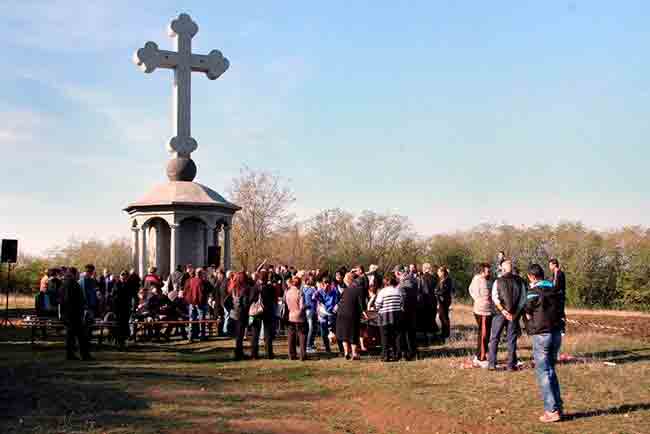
point(6, 322)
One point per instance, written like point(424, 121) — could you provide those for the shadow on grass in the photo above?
point(620, 357)
point(38, 394)
point(444, 352)
point(46, 394)
point(621, 409)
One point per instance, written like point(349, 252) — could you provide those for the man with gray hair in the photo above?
point(427, 302)
point(509, 298)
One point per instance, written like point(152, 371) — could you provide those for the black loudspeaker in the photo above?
point(214, 255)
point(9, 251)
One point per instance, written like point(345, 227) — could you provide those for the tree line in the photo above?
point(609, 269)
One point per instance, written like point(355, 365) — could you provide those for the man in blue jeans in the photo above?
point(508, 297)
point(544, 318)
point(308, 294)
point(327, 301)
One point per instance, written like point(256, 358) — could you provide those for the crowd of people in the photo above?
point(351, 311)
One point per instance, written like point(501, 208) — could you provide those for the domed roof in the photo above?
point(182, 193)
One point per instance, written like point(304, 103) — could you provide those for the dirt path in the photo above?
point(632, 324)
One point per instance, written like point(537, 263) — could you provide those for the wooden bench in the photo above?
point(160, 323)
point(47, 323)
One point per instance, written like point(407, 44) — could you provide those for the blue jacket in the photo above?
point(90, 286)
point(329, 299)
point(308, 293)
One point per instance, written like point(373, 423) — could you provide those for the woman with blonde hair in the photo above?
point(444, 291)
point(296, 326)
point(348, 323)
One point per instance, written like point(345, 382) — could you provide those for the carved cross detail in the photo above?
point(183, 62)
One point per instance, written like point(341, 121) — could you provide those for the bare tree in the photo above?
point(265, 199)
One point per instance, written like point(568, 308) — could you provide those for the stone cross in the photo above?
point(183, 62)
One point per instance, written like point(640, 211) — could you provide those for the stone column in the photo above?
point(217, 242)
point(227, 264)
point(174, 244)
point(142, 263)
point(135, 259)
point(205, 245)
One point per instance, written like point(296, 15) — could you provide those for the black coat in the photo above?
point(351, 307)
point(444, 290)
point(122, 298)
point(353, 303)
point(74, 301)
point(428, 283)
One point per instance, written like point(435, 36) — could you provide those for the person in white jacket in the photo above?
point(483, 310)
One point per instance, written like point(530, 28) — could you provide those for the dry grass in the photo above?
point(181, 388)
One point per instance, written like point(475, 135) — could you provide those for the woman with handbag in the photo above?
point(262, 312)
point(296, 324)
point(240, 290)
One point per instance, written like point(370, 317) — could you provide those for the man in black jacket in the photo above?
point(509, 298)
point(544, 313)
point(559, 281)
point(428, 302)
point(73, 307)
point(122, 301)
point(408, 321)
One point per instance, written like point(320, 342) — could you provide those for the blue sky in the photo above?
point(453, 113)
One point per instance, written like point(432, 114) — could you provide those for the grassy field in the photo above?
point(183, 388)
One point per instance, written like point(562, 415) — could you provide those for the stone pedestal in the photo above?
point(175, 223)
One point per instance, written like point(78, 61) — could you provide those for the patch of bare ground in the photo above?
point(608, 322)
point(290, 424)
point(390, 415)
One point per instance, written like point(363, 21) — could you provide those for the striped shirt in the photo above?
point(389, 304)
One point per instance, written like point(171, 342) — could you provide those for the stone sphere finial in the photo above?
point(181, 169)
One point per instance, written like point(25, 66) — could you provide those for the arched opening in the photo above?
point(193, 241)
point(158, 245)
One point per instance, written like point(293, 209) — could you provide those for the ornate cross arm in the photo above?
point(150, 57)
point(214, 64)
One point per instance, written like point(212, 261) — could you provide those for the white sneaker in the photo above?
point(484, 364)
point(311, 350)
